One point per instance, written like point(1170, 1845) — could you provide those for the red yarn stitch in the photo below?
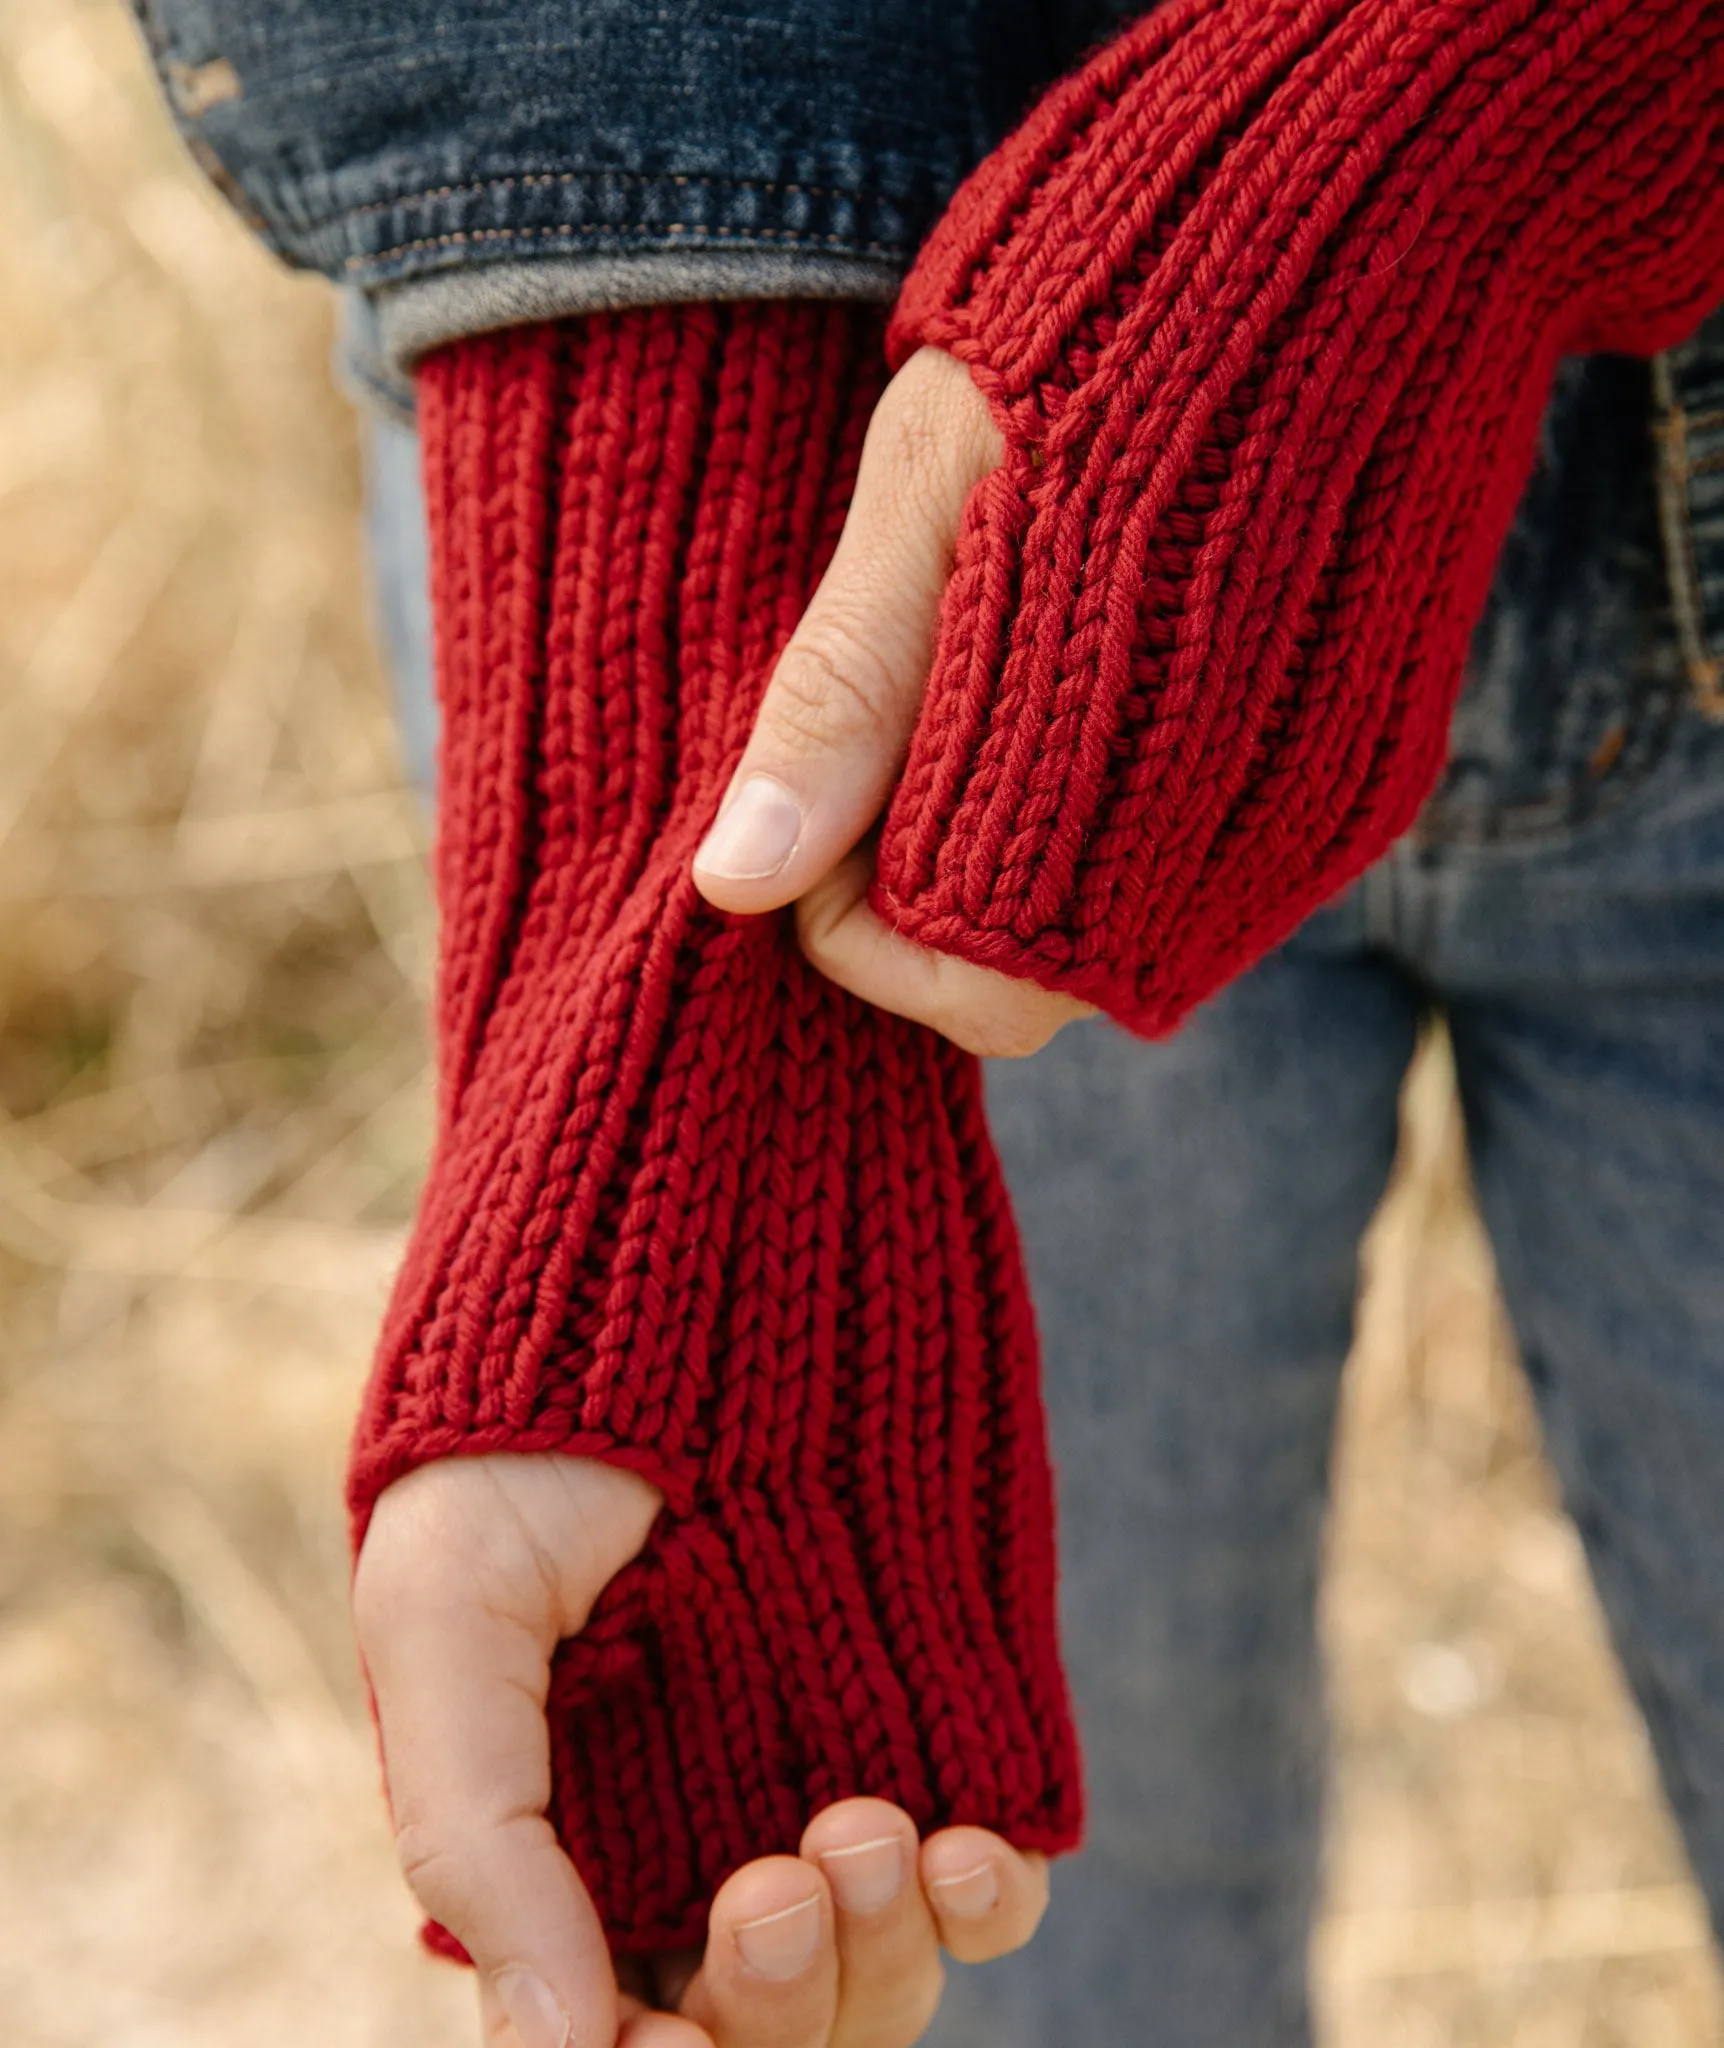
point(693, 1209)
point(1267, 302)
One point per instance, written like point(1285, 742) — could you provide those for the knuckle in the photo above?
point(452, 1860)
point(432, 1864)
point(829, 688)
point(934, 427)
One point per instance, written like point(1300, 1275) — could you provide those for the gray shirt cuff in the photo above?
point(389, 328)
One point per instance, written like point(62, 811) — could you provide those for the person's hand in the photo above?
point(471, 1572)
point(835, 724)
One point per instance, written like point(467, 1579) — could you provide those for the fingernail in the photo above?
point(533, 2010)
point(867, 1876)
point(782, 1944)
point(755, 835)
point(970, 1894)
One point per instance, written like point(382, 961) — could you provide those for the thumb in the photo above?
point(836, 719)
point(471, 1572)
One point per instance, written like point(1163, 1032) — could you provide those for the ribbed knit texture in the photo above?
point(1267, 302)
point(694, 1210)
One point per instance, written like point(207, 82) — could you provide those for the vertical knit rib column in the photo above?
point(694, 1210)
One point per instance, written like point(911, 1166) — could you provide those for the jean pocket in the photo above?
point(1688, 389)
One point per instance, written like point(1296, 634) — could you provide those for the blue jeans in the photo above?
point(1192, 1210)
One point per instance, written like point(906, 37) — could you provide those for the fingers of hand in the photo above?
point(836, 718)
point(841, 1948)
point(467, 1579)
point(987, 1898)
point(770, 1975)
point(986, 1013)
point(889, 1970)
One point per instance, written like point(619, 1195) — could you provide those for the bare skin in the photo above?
point(473, 1570)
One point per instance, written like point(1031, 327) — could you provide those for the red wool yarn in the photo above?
point(1267, 302)
point(693, 1209)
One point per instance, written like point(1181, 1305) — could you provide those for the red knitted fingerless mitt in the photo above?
point(694, 1210)
point(1267, 302)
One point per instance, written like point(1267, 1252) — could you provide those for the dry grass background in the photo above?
point(213, 1108)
